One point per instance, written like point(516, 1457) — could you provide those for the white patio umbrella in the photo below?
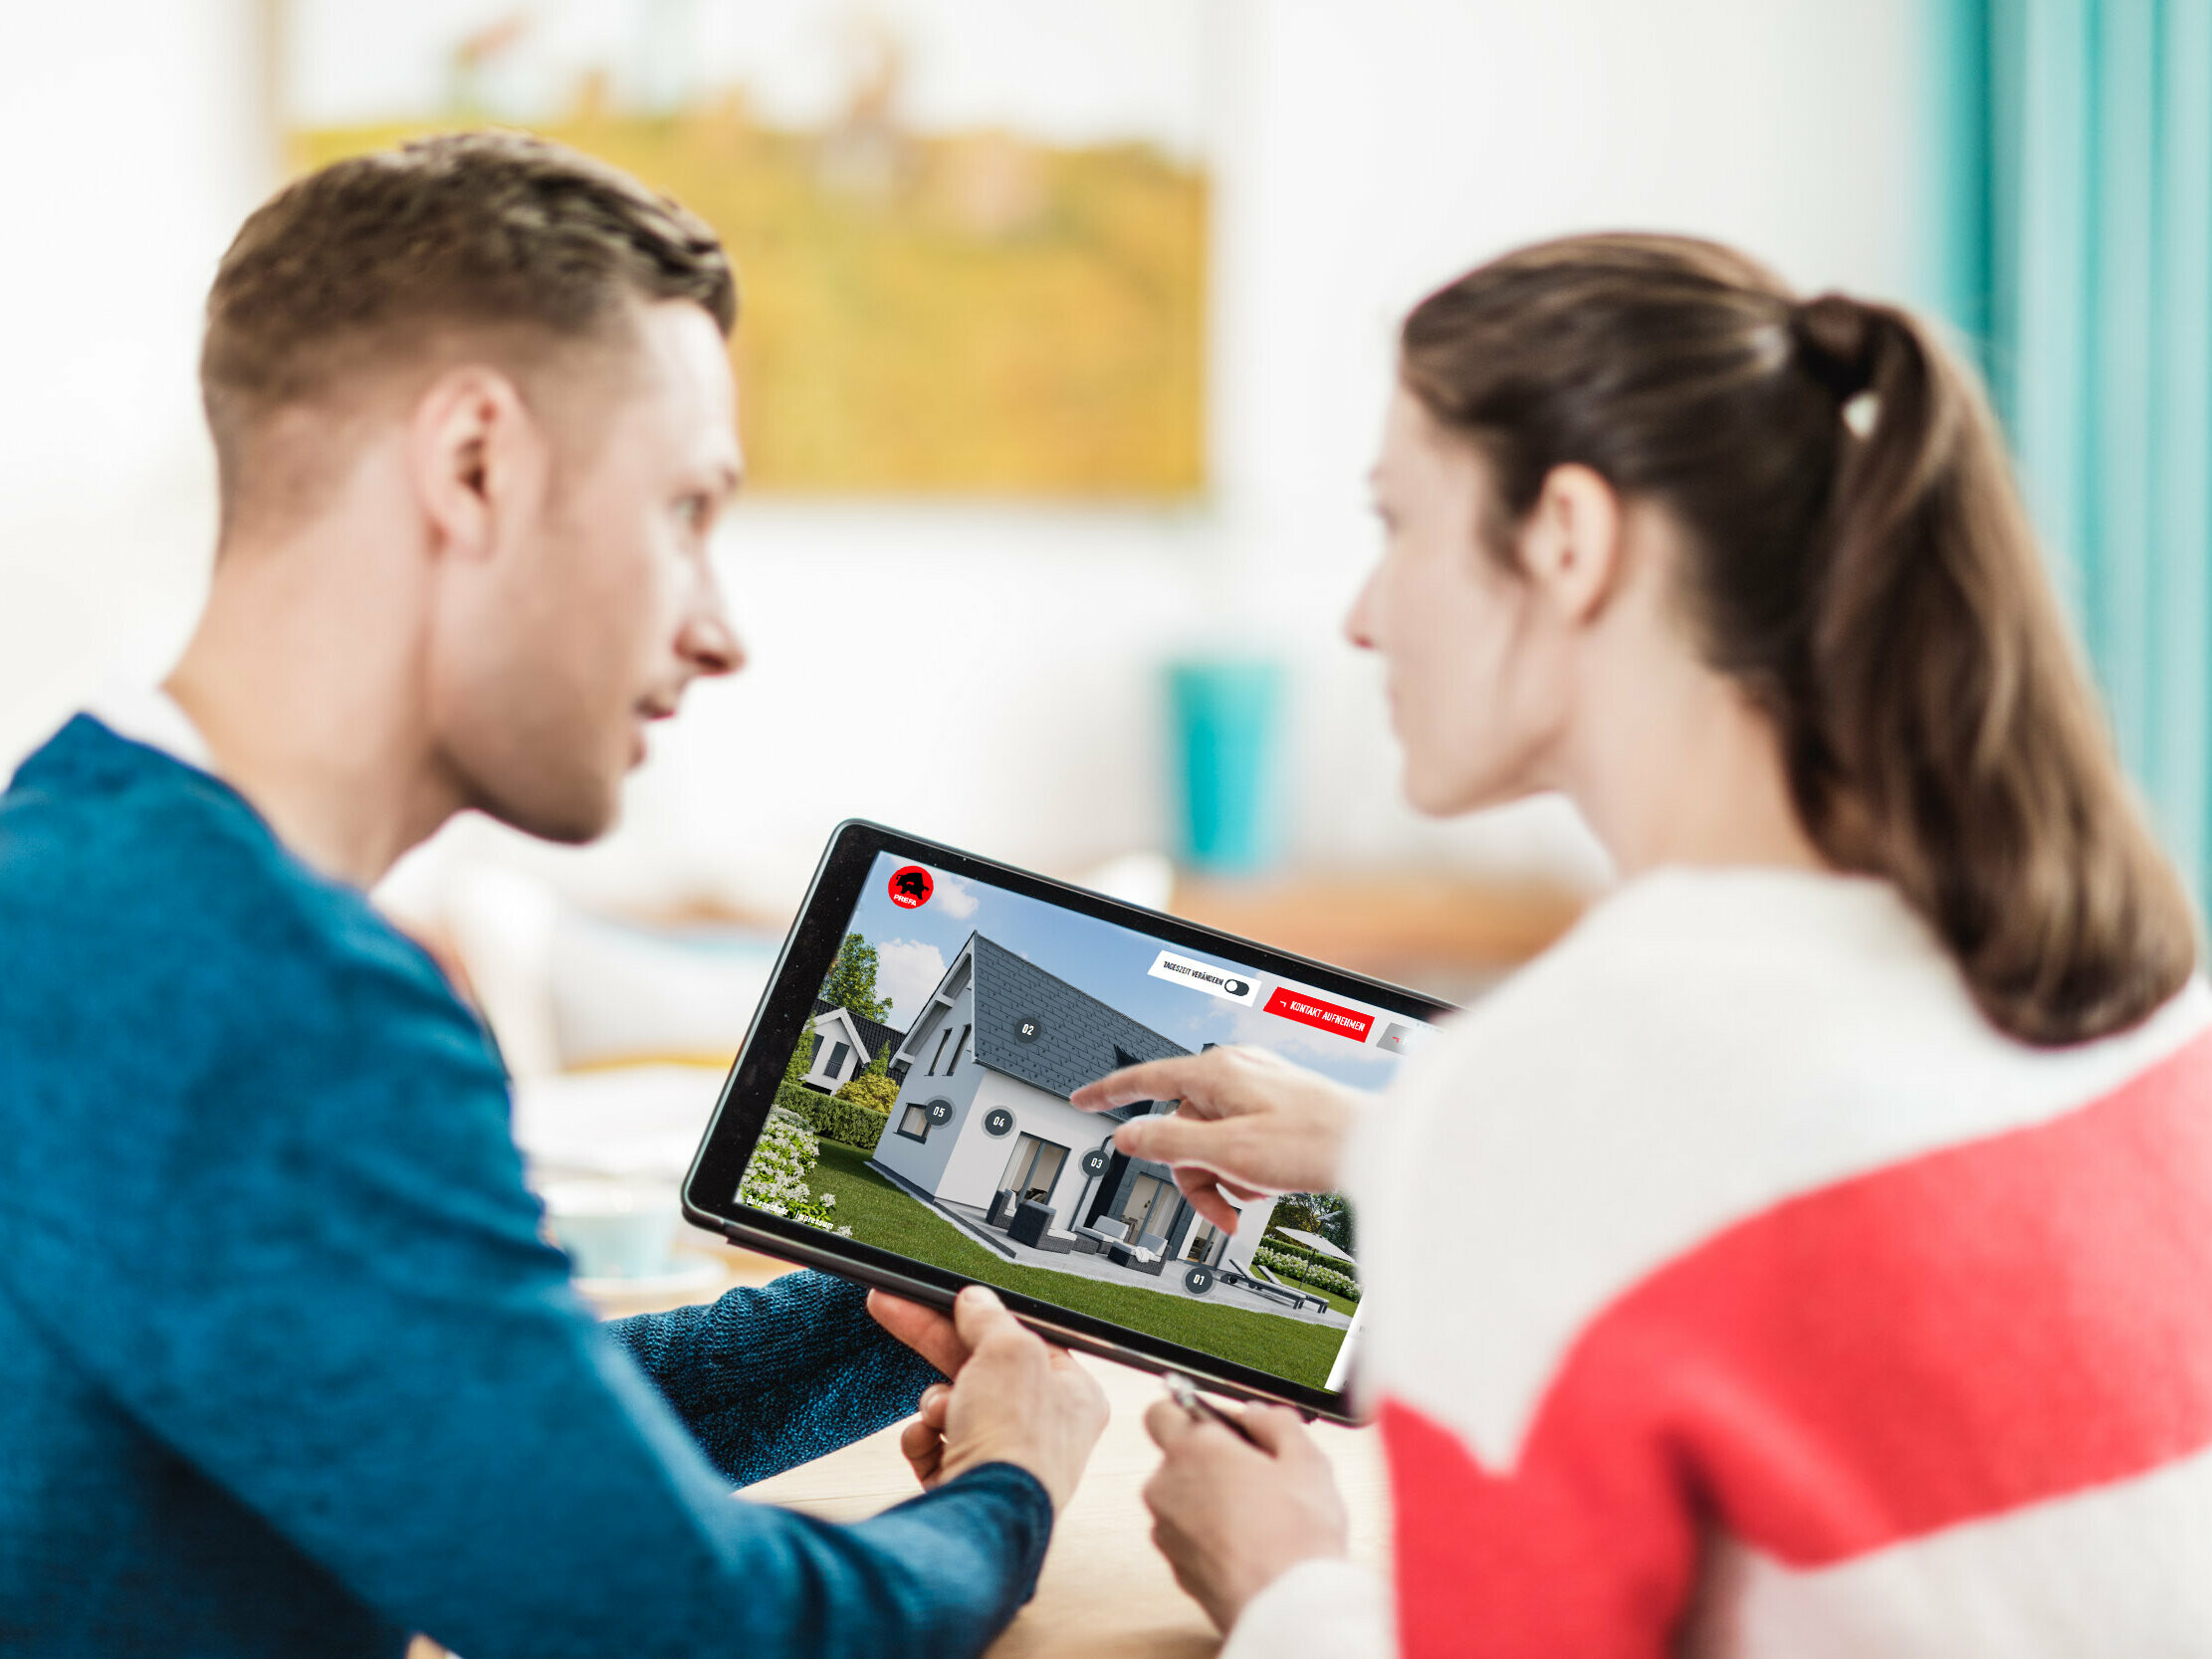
point(1315, 1242)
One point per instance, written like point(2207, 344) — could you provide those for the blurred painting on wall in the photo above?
point(971, 235)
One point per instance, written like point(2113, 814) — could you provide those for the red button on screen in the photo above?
point(1311, 1010)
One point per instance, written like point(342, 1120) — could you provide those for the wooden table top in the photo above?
point(1105, 1592)
point(1450, 932)
point(1387, 922)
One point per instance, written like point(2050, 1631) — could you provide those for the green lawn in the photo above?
point(1342, 1304)
point(880, 1214)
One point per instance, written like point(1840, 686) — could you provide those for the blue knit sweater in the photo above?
point(285, 1365)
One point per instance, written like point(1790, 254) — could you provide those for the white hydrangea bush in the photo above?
point(1298, 1267)
point(776, 1179)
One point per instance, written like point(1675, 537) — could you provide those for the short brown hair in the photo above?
point(1859, 561)
point(372, 256)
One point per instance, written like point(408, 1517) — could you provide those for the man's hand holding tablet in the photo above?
point(1013, 1398)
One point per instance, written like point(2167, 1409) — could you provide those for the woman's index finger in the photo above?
point(1154, 1079)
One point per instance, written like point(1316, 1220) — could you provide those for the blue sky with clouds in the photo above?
point(1110, 963)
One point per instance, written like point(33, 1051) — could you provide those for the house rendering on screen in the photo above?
point(845, 1043)
point(983, 1120)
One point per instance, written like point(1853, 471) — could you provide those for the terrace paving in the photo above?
point(1169, 1282)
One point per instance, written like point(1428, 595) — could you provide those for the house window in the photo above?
point(940, 1054)
point(953, 1065)
point(914, 1122)
point(836, 1061)
point(1034, 1168)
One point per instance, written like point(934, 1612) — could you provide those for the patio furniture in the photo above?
point(1136, 1258)
point(1033, 1225)
point(1003, 1205)
point(1092, 1242)
point(1231, 1274)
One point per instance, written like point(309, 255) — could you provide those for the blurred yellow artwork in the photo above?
point(964, 313)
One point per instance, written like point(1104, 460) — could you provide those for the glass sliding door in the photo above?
point(1033, 1169)
point(1205, 1237)
point(1150, 1207)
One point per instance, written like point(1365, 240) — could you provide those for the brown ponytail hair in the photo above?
point(1860, 562)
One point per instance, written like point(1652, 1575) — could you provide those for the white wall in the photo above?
point(924, 1161)
point(978, 1158)
point(997, 667)
point(134, 145)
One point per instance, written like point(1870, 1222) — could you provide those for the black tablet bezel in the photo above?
point(748, 1093)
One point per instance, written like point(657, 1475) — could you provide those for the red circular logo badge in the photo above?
point(911, 887)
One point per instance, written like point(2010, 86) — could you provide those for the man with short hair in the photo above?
point(287, 1367)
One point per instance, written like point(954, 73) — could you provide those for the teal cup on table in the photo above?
point(1227, 716)
point(613, 1229)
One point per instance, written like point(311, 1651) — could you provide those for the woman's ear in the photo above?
point(1571, 542)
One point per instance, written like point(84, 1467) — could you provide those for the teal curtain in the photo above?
point(2076, 256)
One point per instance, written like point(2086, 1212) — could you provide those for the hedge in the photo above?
point(847, 1123)
point(1273, 1240)
point(1288, 1265)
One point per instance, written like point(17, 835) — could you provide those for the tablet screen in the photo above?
point(970, 1013)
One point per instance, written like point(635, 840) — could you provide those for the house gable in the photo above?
point(941, 1003)
point(1023, 1080)
point(840, 1054)
point(866, 1035)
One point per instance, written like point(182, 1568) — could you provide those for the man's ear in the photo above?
point(474, 452)
point(1571, 541)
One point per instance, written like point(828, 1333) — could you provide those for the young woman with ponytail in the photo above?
point(1811, 1253)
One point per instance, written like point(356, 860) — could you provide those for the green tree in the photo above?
point(803, 1056)
point(1324, 1213)
point(1332, 1218)
point(873, 1087)
point(851, 981)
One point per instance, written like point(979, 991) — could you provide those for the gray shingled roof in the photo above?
point(873, 1035)
point(1081, 1040)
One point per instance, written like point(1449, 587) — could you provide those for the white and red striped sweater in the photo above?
point(1736, 1290)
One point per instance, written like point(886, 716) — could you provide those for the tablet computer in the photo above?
point(968, 999)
